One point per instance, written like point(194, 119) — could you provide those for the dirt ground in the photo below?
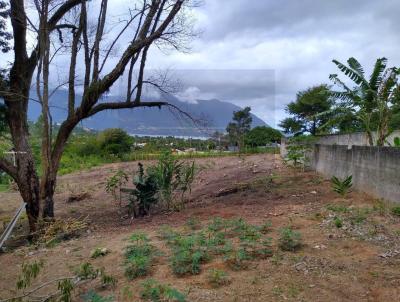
point(358, 261)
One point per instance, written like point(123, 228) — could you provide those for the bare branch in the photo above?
point(9, 168)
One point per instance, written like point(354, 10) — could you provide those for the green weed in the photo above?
point(157, 292)
point(217, 278)
point(289, 240)
point(138, 256)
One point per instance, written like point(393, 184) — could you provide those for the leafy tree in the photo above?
point(374, 101)
point(306, 110)
point(262, 135)
point(5, 36)
point(66, 28)
point(115, 141)
point(291, 125)
point(239, 127)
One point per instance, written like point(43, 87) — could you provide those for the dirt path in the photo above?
point(350, 263)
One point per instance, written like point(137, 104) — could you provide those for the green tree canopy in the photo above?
point(290, 125)
point(115, 141)
point(240, 125)
point(307, 109)
point(262, 135)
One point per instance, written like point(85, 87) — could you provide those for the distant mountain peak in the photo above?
point(152, 121)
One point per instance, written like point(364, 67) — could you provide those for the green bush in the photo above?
point(289, 240)
point(262, 135)
point(396, 210)
point(237, 259)
point(138, 256)
point(188, 253)
point(115, 141)
point(156, 292)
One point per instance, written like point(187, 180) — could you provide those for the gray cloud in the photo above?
point(261, 52)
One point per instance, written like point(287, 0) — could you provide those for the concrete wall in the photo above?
point(375, 170)
point(353, 139)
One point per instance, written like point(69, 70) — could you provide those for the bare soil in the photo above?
point(359, 261)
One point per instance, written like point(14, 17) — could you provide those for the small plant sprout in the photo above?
point(338, 222)
point(217, 278)
point(289, 240)
point(114, 184)
point(342, 186)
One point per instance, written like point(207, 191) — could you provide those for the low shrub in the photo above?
point(289, 240)
point(237, 259)
point(138, 257)
point(188, 252)
point(157, 292)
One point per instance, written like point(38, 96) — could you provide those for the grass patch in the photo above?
point(235, 241)
point(359, 215)
point(157, 292)
point(337, 208)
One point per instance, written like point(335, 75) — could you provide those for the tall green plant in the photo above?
point(342, 186)
point(114, 184)
point(373, 100)
point(172, 175)
point(144, 194)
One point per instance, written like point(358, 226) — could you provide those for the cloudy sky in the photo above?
point(289, 42)
point(259, 53)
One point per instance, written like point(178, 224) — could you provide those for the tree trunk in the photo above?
point(47, 189)
point(26, 176)
point(28, 184)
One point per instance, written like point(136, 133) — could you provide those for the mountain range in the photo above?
point(208, 116)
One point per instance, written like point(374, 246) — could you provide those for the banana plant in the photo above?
point(371, 100)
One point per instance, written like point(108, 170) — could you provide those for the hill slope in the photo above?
point(211, 115)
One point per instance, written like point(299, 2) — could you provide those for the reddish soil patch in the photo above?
point(334, 264)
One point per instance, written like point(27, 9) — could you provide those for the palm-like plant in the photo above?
point(370, 100)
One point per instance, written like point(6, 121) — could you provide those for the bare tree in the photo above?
point(151, 22)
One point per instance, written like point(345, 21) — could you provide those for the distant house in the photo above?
point(177, 151)
point(139, 145)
